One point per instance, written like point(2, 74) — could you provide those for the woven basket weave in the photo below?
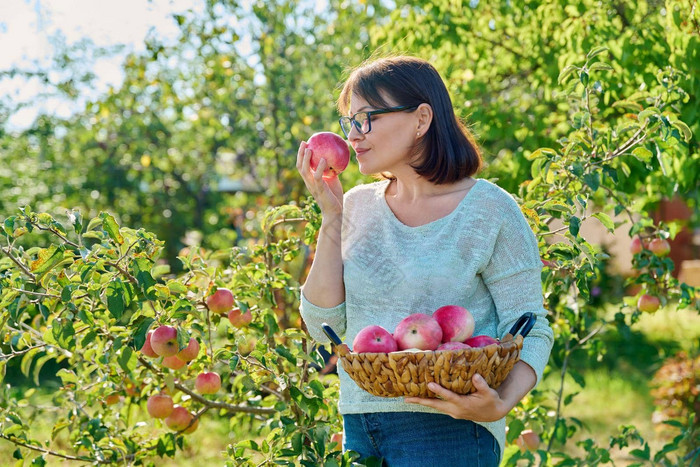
point(399, 374)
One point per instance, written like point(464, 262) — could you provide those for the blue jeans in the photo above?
point(405, 439)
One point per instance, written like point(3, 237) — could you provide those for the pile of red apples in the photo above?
point(162, 342)
point(450, 327)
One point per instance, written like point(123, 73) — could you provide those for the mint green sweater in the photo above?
point(482, 256)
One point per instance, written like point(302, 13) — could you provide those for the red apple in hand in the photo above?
point(418, 331)
point(648, 303)
point(164, 341)
point(374, 339)
point(480, 341)
point(207, 382)
point(147, 350)
point(239, 319)
point(190, 352)
point(220, 301)
point(332, 148)
point(660, 247)
point(159, 406)
point(457, 323)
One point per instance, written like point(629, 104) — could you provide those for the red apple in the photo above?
point(190, 352)
point(173, 362)
point(637, 245)
point(159, 406)
point(113, 398)
point(179, 418)
point(333, 148)
point(528, 441)
point(373, 339)
point(207, 382)
point(480, 341)
point(147, 350)
point(220, 301)
point(457, 323)
point(193, 427)
point(418, 331)
point(337, 438)
point(164, 341)
point(453, 346)
point(239, 319)
point(648, 303)
point(660, 247)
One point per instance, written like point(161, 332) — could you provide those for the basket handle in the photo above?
point(340, 348)
point(331, 334)
point(523, 325)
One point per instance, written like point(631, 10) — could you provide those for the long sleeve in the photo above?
point(314, 316)
point(513, 278)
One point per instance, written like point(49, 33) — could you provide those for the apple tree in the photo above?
point(81, 295)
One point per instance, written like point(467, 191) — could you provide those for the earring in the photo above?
point(418, 133)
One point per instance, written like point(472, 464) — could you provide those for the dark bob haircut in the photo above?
point(447, 153)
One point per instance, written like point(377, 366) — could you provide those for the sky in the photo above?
point(27, 27)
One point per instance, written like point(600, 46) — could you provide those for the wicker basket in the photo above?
point(399, 374)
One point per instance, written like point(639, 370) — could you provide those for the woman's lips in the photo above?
point(360, 151)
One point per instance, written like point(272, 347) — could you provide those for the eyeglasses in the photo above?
point(363, 120)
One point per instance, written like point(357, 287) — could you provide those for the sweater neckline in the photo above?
point(445, 218)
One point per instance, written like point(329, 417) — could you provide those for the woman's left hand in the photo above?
point(483, 405)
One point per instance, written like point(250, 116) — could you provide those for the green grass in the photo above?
point(618, 388)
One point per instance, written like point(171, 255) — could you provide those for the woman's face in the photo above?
point(387, 147)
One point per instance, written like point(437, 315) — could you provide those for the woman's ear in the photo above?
point(425, 117)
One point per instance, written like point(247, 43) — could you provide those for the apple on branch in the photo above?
point(159, 406)
point(239, 319)
point(147, 350)
point(173, 362)
point(220, 301)
point(190, 352)
point(660, 247)
point(179, 419)
point(208, 382)
point(648, 303)
point(332, 148)
point(418, 331)
point(164, 341)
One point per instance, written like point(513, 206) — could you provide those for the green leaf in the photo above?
point(166, 445)
point(64, 333)
point(67, 376)
point(284, 352)
point(685, 129)
point(127, 359)
point(3, 370)
point(111, 227)
point(596, 51)
point(142, 268)
point(116, 300)
point(143, 324)
point(566, 72)
point(574, 225)
point(47, 260)
point(541, 152)
point(515, 427)
point(606, 221)
point(592, 180)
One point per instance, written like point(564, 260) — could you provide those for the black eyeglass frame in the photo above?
point(369, 113)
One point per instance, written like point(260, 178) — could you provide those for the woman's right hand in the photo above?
point(328, 192)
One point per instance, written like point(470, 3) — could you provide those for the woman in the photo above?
point(427, 235)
